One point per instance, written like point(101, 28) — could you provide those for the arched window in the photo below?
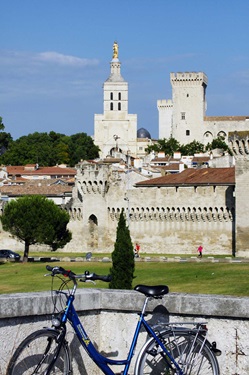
point(119, 96)
point(93, 220)
point(222, 134)
point(119, 106)
point(111, 106)
point(207, 137)
point(111, 96)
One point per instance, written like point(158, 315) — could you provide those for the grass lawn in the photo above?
point(206, 278)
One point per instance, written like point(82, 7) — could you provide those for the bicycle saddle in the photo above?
point(152, 291)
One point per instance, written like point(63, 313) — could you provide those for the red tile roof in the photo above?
point(50, 171)
point(170, 167)
point(19, 190)
point(38, 188)
point(200, 159)
point(190, 177)
point(163, 159)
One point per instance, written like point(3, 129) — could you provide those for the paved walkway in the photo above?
point(144, 258)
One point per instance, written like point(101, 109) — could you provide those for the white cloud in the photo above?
point(22, 59)
point(51, 74)
point(59, 58)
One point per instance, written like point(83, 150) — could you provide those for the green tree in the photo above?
point(194, 147)
point(31, 149)
point(49, 149)
point(218, 143)
point(36, 219)
point(81, 147)
point(168, 146)
point(2, 127)
point(5, 138)
point(123, 264)
point(5, 142)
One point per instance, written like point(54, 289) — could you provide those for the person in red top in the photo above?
point(137, 249)
point(200, 248)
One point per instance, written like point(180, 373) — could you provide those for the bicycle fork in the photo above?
point(60, 339)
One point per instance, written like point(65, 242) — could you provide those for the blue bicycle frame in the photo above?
point(102, 362)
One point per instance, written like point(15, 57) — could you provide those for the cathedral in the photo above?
point(115, 131)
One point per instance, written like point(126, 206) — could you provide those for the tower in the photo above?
point(115, 129)
point(183, 116)
point(165, 109)
point(189, 105)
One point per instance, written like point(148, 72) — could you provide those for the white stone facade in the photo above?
point(115, 130)
point(184, 116)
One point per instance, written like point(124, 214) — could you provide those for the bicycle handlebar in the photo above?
point(83, 277)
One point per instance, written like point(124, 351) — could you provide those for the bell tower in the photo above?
point(115, 88)
point(115, 129)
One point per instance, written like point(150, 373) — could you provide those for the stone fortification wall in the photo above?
point(239, 144)
point(214, 127)
point(110, 316)
point(177, 220)
point(164, 220)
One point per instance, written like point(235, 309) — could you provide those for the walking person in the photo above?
point(136, 250)
point(200, 249)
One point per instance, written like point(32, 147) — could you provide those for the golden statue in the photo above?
point(115, 50)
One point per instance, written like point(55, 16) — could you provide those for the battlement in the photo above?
point(164, 103)
point(188, 77)
point(239, 143)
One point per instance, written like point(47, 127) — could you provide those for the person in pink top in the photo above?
point(200, 248)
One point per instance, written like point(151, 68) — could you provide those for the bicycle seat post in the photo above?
point(145, 305)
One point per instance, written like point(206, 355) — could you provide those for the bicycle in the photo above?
point(170, 349)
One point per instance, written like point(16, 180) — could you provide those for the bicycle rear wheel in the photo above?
point(36, 352)
point(191, 353)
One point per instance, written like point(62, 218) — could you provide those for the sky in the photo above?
point(55, 56)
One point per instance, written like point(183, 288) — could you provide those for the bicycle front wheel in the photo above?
point(36, 352)
point(192, 354)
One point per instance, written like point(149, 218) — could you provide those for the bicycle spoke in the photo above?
point(36, 353)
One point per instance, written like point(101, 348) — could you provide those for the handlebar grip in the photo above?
point(60, 271)
point(94, 277)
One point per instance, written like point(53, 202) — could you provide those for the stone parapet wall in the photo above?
point(110, 316)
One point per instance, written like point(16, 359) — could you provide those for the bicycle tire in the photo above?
point(192, 354)
point(35, 353)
